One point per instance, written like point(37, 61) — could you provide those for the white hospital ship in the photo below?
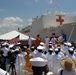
point(46, 24)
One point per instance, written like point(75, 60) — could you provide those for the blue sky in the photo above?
point(16, 14)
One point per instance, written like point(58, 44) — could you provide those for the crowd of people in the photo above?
point(60, 56)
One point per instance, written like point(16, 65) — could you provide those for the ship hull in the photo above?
point(68, 29)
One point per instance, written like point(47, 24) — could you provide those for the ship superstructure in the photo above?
point(48, 23)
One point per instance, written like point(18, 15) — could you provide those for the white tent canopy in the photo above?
point(13, 34)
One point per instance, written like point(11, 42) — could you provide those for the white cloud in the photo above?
point(12, 19)
point(50, 1)
point(30, 20)
point(11, 22)
point(8, 24)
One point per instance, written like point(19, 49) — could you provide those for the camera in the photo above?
point(12, 59)
point(12, 56)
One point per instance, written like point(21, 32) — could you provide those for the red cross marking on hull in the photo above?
point(60, 20)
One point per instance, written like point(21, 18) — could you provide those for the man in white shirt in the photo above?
point(53, 39)
point(47, 41)
point(29, 42)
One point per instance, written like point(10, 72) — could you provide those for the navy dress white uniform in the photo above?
point(43, 46)
point(61, 52)
point(50, 73)
point(68, 67)
point(75, 52)
point(65, 48)
point(5, 50)
point(24, 51)
point(2, 72)
point(49, 58)
point(40, 52)
point(71, 54)
point(38, 65)
point(33, 51)
point(56, 61)
point(20, 62)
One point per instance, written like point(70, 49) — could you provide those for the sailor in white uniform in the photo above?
point(75, 52)
point(41, 55)
point(38, 65)
point(50, 45)
point(40, 52)
point(71, 54)
point(56, 61)
point(5, 49)
point(69, 44)
point(61, 52)
point(12, 47)
point(33, 51)
point(49, 58)
point(65, 48)
point(2, 72)
point(24, 50)
point(20, 62)
point(42, 44)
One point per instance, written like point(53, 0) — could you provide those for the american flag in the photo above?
point(15, 40)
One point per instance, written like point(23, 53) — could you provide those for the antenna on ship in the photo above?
point(56, 7)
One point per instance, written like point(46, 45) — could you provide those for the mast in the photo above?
point(55, 7)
